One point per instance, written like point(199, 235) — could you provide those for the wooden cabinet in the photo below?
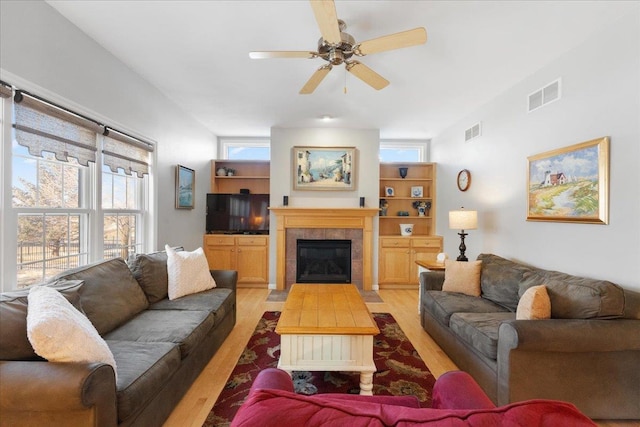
point(250, 174)
point(397, 254)
point(248, 254)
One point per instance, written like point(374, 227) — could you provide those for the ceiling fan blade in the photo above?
point(327, 19)
point(367, 75)
point(392, 41)
point(315, 79)
point(282, 54)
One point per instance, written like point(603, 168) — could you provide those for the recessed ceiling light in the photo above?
point(326, 118)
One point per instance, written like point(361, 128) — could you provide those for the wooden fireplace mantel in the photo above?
point(310, 217)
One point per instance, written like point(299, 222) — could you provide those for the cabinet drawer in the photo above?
point(399, 242)
point(219, 240)
point(426, 243)
point(252, 241)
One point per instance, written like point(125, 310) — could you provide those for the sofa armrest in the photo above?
point(570, 335)
point(431, 280)
point(458, 390)
point(47, 393)
point(225, 278)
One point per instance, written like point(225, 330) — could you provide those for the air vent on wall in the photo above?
point(547, 94)
point(472, 132)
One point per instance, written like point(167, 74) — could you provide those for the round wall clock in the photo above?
point(464, 180)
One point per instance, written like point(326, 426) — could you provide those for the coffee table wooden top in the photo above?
point(325, 309)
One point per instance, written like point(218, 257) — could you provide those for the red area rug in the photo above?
point(400, 370)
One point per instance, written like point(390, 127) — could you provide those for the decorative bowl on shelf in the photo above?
point(221, 171)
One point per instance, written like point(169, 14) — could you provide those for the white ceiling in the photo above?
point(196, 52)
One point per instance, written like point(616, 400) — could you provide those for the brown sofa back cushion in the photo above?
point(500, 279)
point(574, 297)
point(150, 270)
point(111, 295)
point(14, 344)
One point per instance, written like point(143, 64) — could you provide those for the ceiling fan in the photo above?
point(337, 47)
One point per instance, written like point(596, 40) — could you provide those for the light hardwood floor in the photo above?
point(251, 303)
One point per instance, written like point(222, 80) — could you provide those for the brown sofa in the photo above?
point(588, 353)
point(160, 347)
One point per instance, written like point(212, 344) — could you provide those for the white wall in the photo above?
point(600, 97)
point(367, 143)
point(43, 49)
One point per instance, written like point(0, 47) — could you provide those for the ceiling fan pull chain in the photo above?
point(345, 81)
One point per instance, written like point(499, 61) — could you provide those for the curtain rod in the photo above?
point(18, 98)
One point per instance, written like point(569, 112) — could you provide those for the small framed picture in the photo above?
point(416, 191)
point(185, 187)
point(389, 191)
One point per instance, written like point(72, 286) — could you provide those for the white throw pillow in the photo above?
point(188, 272)
point(59, 332)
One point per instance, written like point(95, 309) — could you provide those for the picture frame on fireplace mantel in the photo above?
point(324, 168)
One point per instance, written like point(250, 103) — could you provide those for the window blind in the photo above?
point(41, 126)
point(127, 153)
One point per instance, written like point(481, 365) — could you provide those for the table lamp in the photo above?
point(463, 220)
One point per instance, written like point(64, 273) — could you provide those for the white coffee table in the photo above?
point(327, 327)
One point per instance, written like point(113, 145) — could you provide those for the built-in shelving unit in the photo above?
point(250, 174)
point(398, 254)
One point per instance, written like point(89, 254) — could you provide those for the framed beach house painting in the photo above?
point(324, 168)
point(570, 184)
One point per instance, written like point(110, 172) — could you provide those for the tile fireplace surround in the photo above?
point(325, 223)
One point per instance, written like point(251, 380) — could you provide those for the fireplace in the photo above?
point(323, 261)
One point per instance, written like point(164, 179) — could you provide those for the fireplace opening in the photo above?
point(323, 261)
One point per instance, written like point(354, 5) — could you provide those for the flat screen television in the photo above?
point(238, 213)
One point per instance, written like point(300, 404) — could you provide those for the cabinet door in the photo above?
point(220, 252)
point(395, 265)
point(253, 264)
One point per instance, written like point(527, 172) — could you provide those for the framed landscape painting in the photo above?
point(185, 187)
point(570, 184)
point(324, 168)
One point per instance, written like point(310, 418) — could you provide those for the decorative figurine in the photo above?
point(423, 206)
point(384, 205)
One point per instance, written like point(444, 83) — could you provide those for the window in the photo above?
point(59, 160)
point(245, 148)
point(404, 151)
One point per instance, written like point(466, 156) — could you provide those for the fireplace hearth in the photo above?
point(323, 261)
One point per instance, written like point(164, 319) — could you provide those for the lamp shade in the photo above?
point(463, 220)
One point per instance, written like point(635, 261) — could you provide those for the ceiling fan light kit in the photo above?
point(337, 47)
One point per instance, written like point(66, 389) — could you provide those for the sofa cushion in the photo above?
point(443, 304)
point(185, 328)
point(188, 272)
point(150, 270)
point(218, 301)
point(534, 304)
point(110, 295)
point(500, 279)
point(462, 277)
point(143, 369)
point(14, 344)
point(574, 297)
point(60, 333)
point(480, 330)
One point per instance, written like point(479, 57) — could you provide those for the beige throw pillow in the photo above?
point(188, 272)
point(462, 277)
point(534, 304)
point(59, 332)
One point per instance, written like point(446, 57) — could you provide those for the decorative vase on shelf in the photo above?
point(403, 172)
point(221, 171)
point(406, 229)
